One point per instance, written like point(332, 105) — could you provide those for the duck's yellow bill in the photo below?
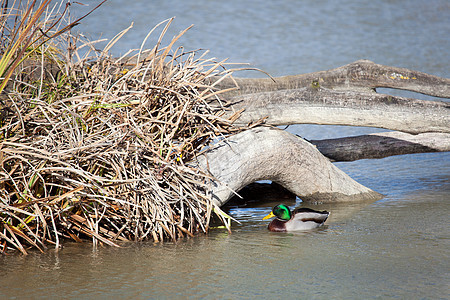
point(271, 215)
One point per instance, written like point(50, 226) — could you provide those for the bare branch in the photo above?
point(362, 74)
point(379, 145)
point(319, 105)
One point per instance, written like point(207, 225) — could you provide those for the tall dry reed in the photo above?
point(97, 147)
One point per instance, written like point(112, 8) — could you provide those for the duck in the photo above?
point(301, 218)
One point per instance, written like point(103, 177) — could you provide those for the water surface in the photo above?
point(394, 248)
point(397, 247)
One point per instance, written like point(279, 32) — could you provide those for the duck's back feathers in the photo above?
point(306, 219)
point(306, 209)
point(305, 214)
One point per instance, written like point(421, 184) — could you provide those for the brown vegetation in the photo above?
point(94, 146)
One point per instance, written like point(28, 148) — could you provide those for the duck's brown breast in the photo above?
point(277, 225)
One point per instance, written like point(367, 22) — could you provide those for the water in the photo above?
point(397, 247)
point(290, 37)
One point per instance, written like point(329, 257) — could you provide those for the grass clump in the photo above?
point(97, 147)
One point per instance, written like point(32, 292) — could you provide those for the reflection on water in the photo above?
point(396, 247)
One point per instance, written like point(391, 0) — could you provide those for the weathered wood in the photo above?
point(343, 96)
point(272, 154)
point(317, 105)
point(359, 75)
point(384, 144)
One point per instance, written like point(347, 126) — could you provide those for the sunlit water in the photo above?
point(398, 247)
point(393, 248)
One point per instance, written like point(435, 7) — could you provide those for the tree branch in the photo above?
point(384, 144)
point(359, 75)
point(317, 105)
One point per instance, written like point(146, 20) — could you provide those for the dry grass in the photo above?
point(96, 147)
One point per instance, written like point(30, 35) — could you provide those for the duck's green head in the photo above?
point(280, 211)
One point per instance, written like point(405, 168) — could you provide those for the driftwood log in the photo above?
point(342, 96)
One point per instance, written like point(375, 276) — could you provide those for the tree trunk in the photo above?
point(323, 106)
point(362, 75)
point(273, 154)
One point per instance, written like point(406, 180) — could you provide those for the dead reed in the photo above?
point(96, 147)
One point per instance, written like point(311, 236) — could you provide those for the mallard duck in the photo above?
point(300, 219)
